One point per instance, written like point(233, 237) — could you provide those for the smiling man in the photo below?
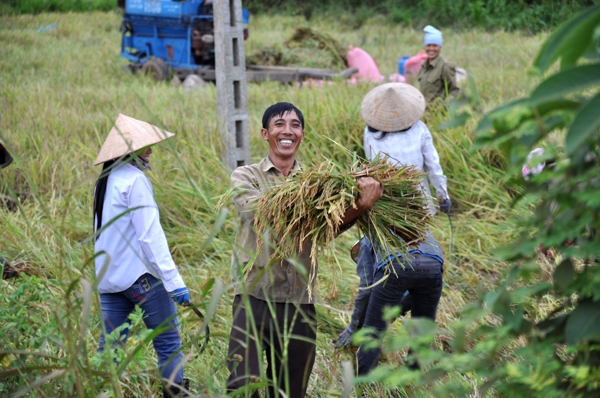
point(272, 310)
point(437, 77)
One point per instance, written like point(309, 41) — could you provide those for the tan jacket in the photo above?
point(251, 270)
point(438, 78)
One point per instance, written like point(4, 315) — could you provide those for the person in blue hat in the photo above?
point(437, 77)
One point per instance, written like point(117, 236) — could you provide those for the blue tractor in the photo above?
point(163, 35)
point(160, 36)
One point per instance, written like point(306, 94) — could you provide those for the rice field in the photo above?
point(61, 90)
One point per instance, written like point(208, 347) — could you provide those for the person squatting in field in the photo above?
point(437, 77)
point(272, 310)
point(392, 113)
point(133, 261)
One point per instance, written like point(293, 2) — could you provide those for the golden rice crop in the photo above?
point(311, 205)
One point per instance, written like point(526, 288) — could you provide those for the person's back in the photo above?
point(392, 113)
point(397, 131)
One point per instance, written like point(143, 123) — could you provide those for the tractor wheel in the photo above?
point(157, 68)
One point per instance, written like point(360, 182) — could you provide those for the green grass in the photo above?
point(60, 92)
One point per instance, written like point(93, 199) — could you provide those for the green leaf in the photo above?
point(566, 82)
point(459, 121)
point(570, 40)
point(556, 105)
point(434, 374)
point(209, 284)
point(460, 338)
point(553, 327)
point(486, 123)
point(585, 124)
point(584, 323)
point(500, 301)
point(523, 293)
point(564, 274)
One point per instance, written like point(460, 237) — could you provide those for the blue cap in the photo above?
point(432, 35)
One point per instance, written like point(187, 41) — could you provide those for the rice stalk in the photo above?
point(311, 206)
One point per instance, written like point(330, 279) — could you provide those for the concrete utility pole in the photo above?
point(232, 99)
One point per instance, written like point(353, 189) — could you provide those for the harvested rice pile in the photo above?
point(311, 205)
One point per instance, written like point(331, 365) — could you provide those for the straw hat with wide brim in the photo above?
point(392, 107)
point(5, 158)
point(129, 135)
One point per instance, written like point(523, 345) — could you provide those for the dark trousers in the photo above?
point(286, 332)
point(421, 276)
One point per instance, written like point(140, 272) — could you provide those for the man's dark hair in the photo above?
point(280, 109)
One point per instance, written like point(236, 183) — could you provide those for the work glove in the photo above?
point(445, 206)
point(345, 338)
point(181, 296)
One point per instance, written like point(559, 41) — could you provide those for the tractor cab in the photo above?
point(162, 34)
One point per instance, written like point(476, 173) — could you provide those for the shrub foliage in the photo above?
point(504, 339)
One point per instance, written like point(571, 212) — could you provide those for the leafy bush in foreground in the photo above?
point(505, 339)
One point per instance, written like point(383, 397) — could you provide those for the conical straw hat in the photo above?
point(392, 107)
point(127, 136)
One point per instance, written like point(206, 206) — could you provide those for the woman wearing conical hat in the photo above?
point(133, 262)
point(392, 113)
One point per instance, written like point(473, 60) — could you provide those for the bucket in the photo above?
point(401, 64)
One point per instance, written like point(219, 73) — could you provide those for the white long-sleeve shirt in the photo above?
point(135, 242)
point(411, 147)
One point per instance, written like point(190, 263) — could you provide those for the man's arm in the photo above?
point(370, 192)
point(247, 192)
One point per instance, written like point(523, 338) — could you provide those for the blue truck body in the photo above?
point(181, 33)
point(160, 36)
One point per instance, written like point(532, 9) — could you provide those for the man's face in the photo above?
point(432, 50)
point(284, 134)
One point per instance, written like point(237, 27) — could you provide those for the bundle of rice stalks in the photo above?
point(273, 56)
point(312, 203)
point(325, 42)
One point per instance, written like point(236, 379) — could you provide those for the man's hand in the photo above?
point(181, 296)
point(345, 338)
point(371, 191)
point(445, 205)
